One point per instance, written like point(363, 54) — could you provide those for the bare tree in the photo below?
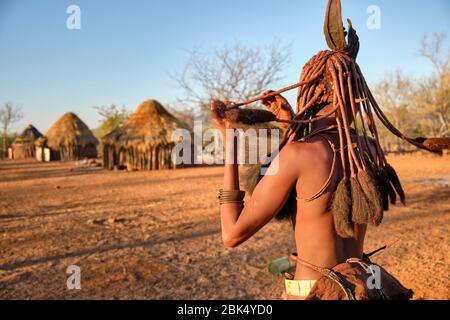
point(9, 114)
point(233, 73)
point(421, 106)
point(394, 93)
point(433, 52)
point(433, 96)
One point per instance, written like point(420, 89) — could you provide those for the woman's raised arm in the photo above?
point(240, 222)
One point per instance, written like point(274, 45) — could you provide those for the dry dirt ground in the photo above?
point(156, 235)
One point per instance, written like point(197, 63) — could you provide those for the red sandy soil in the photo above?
point(156, 235)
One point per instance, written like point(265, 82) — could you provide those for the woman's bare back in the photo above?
point(315, 236)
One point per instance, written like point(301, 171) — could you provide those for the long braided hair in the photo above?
point(338, 89)
point(334, 86)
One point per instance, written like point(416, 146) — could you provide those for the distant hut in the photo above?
point(145, 141)
point(69, 138)
point(23, 147)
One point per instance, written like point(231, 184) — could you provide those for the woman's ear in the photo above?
point(333, 27)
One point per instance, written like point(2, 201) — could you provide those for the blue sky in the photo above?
point(126, 50)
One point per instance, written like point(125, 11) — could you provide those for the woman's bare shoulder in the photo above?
point(315, 149)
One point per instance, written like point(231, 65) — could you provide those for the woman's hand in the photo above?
point(222, 125)
point(218, 116)
point(279, 106)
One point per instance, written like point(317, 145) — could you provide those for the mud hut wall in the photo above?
point(24, 151)
point(154, 149)
point(88, 151)
point(122, 157)
point(167, 156)
point(106, 156)
point(129, 158)
point(73, 152)
point(149, 159)
point(153, 157)
point(109, 156)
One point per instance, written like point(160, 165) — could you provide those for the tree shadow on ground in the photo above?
point(95, 250)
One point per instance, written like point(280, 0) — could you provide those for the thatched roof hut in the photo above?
point(69, 138)
point(145, 141)
point(23, 146)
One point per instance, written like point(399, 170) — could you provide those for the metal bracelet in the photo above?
point(230, 196)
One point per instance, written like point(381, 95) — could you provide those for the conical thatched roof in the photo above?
point(150, 124)
point(29, 135)
point(69, 130)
